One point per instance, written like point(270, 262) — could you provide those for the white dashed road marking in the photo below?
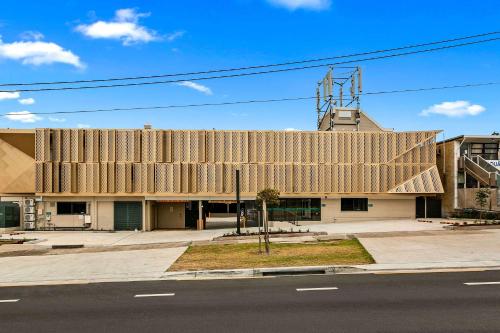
point(154, 295)
point(480, 283)
point(317, 289)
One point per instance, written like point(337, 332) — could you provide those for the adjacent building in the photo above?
point(467, 163)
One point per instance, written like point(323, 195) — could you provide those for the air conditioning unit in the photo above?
point(29, 225)
point(29, 217)
point(29, 202)
point(29, 210)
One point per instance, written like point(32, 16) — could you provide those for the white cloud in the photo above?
point(27, 101)
point(124, 26)
point(57, 120)
point(302, 4)
point(9, 95)
point(32, 35)
point(199, 87)
point(38, 53)
point(175, 35)
point(454, 109)
point(289, 129)
point(83, 125)
point(23, 116)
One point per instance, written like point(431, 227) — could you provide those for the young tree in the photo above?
point(481, 199)
point(271, 197)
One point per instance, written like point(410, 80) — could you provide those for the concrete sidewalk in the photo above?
point(88, 267)
point(99, 238)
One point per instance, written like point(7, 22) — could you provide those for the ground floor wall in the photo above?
point(402, 207)
point(98, 213)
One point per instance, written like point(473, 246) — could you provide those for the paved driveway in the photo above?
point(471, 248)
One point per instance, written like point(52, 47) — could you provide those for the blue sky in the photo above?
point(78, 40)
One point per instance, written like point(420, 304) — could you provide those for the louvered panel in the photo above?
point(138, 185)
point(297, 147)
point(185, 177)
point(120, 177)
point(228, 147)
point(353, 147)
point(261, 177)
point(286, 177)
point(252, 147)
point(325, 175)
point(160, 149)
point(81, 172)
point(121, 146)
point(287, 146)
point(56, 177)
point(368, 178)
point(219, 147)
point(342, 158)
point(161, 177)
point(335, 178)
point(39, 177)
point(367, 139)
point(103, 177)
point(111, 177)
point(77, 151)
point(94, 167)
point(65, 177)
point(260, 155)
point(42, 145)
point(268, 176)
point(335, 138)
point(342, 176)
point(177, 146)
point(347, 178)
point(210, 146)
point(253, 176)
point(177, 178)
point(320, 146)
point(244, 147)
point(167, 146)
point(245, 178)
point(315, 148)
point(56, 145)
point(47, 177)
point(305, 147)
point(193, 178)
point(315, 178)
point(202, 178)
point(66, 145)
point(357, 184)
point(148, 172)
point(108, 142)
point(211, 178)
point(91, 147)
point(128, 178)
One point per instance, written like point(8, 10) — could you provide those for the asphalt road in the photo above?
point(437, 302)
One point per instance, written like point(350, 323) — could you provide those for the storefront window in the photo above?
point(71, 208)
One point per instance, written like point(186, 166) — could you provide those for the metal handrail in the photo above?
point(477, 170)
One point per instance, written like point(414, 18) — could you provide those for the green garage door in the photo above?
point(128, 215)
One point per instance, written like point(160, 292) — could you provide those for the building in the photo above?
point(146, 179)
point(467, 163)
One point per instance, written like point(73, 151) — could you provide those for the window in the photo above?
point(354, 204)
point(71, 208)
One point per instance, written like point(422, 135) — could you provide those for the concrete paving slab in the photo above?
point(444, 247)
point(113, 266)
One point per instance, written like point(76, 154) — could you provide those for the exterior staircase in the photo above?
point(484, 172)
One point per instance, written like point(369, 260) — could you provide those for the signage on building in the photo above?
point(495, 163)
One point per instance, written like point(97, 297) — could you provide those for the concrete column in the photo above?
point(199, 224)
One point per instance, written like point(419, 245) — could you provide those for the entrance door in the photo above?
point(170, 216)
point(433, 207)
point(128, 215)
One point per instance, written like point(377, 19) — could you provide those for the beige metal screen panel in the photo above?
point(427, 181)
point(39, 177)
point(292, 162)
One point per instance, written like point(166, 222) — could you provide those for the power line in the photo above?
point(255, 66)
point(469, 85)
point(255, 73)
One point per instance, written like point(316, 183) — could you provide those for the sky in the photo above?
point(81, 40)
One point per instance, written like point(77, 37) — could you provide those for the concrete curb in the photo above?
point(261, 272)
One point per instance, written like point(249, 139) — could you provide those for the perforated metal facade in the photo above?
point(176, 162)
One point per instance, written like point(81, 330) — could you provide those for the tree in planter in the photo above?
point(481, 199)
point(271, 197)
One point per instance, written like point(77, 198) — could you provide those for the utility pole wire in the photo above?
point(468, 85)
point(255, 66)
point(257, 72)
